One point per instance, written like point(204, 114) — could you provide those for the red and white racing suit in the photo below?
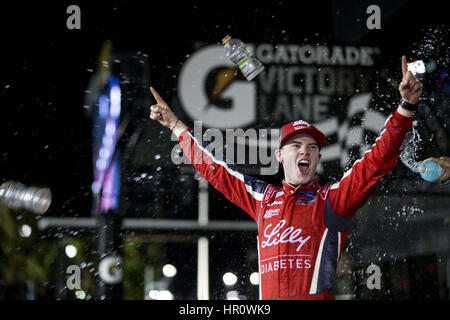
point(301, 231)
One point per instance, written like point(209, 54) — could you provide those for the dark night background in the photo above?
point(45, 69)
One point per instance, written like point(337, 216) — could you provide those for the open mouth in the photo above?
point(303, 165)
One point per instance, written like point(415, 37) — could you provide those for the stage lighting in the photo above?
point(169, 270)
point(71, 250)
point(229, 278)
point(15, 195)
point(254, 278)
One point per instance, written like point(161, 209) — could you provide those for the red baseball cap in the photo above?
point(300, 126)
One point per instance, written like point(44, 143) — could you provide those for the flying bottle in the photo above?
point(238, 53)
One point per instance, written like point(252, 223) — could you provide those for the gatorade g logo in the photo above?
point(197, 102)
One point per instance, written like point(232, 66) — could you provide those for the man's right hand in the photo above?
point(161, 111)
point(164, 115)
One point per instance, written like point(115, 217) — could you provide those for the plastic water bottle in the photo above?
point(238, 53)
point(15, 195)
point(431, 171)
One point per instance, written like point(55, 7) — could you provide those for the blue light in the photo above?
point(115, 102)
point(107, 169)
point(103, 106)
point(115, 98)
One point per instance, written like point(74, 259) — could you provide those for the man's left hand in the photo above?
point(410, 88)
point(445, 164)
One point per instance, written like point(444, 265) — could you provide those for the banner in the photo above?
point(328, 86)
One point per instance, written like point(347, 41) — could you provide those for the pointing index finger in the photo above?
point(404, 66)
point(157, 97)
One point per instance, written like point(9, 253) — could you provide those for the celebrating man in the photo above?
point(303, 225)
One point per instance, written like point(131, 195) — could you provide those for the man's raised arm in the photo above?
point(358, 183)
point(238, 187)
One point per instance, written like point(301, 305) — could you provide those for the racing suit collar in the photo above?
point(288, 188)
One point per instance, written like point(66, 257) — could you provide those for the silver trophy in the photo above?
point(15, 195)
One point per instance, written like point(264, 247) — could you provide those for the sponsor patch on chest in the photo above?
point(271, 212)
point(279, 234)
point(306, 197)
